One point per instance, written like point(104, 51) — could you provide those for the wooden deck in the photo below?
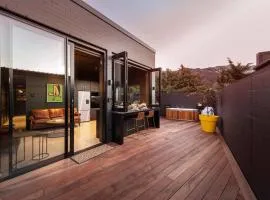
point(176, 161)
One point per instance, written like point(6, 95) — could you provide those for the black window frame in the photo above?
point(159, 70)
point(127, 63)
point(122, 58)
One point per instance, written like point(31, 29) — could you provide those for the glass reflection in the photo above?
point(119, 84)
point(138, 89)
point(38, 122)
point(4, 124)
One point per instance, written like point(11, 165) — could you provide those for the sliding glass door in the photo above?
point(86, 77)
point(35, 61)
point(41, 117)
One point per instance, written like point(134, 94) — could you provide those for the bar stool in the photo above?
point(42, 150)
point(140, 118)
point(130, 128)
point(150, 115)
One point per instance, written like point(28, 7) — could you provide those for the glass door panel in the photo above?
point(38, 95)
point(4, 123)
point(86, 87)
point(34, 109)
point(119, 65)
point(138, 87)
point(38, 117)
point(155, 86)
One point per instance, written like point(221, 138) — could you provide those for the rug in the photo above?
point(87, 155)
point(56, 133)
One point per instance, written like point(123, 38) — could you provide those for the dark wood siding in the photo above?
point(71, 18)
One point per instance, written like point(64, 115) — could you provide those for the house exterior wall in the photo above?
point(74, 19)
point(77, 19)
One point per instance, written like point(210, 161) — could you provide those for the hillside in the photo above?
point(208, 75)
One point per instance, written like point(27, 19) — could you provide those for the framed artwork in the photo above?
point(54, 93)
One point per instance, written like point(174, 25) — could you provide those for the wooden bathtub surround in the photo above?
point(186, 114)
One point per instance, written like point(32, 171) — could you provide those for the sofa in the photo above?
point(52, 117)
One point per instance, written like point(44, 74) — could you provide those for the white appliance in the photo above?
point(84, 105)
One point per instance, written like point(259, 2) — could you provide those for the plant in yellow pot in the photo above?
point(207, 117)
point(208, 120)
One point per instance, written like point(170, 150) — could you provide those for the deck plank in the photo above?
point(113, 184)
point(176, 161)
point(240, 196)
point(219, 184)
point(203, 187)
point(145, 181)
point(231, 190)
point(185, 189)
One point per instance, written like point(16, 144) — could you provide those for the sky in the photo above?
point(195, 33)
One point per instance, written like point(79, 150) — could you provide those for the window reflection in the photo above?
point(39, 117)
point(119, 84)
point(43, 54)
point(155, 87)
point(138, 89)
point(38, 121)
point(25, 47)
point(4, 110)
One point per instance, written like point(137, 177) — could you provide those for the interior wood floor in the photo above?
point(177, 161)
point(84, 137)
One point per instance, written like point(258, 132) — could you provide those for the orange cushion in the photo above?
point(56, 112)
point(41, 114)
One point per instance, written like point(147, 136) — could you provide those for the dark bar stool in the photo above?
point(131, 121)
point(140, 118)
point(150, 116)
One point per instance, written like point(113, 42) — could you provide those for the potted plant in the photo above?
point(207, 117)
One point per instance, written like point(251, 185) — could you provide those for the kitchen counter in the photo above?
point(119, 121)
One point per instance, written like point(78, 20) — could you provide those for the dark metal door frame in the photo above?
point(71, 93)
point(66, 96)
point(74, 46)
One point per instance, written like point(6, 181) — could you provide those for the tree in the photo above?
point(233, 73)
point(184, 80)
point(168, 80)
point(180, 80)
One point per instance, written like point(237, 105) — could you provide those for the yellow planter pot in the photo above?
point(208, 123)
